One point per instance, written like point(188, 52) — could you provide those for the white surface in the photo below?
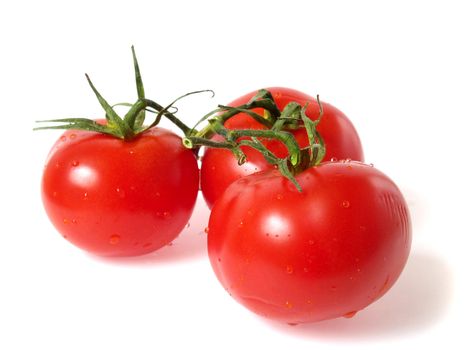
point(397, 69)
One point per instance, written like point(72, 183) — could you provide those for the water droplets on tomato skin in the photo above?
point(75, 163)
point(206, 230)
point(349, 314)
point(345, 204)
point(289, 269)
point(121, 193)
point(114, 239)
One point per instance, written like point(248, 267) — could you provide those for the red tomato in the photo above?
point(120, 198)
point(326, 252)
point(220, 168)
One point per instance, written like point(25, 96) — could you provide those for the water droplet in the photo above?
point(85, 195)
point(276, 235)
point(333, 288)
point(213, 168)
point(240, 224)
point(131, 151)
point(66, 221)
point(279, 196)
point(75, 163)
point(267, 234)
point(309, 302)
point(292, 324)
point(166, 215)
point(333, 159)
point(219, 259)
point(359, 270)
point(147, 245)
point(311, 242)
point(289, 269)
point(114, 239)
point(371, 165)
point(206, 230)
point(54, 194)
point(65, 236)
point(288, 304)
point(72, 136)
point(347, 160)
point(158, 194)
point(346, 204)
point(187, 225)
point(121, 193)
point(305, 269)
point(74, 221)
point(350, 314)
point(63, 138)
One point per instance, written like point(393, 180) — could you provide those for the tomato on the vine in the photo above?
point(120, 198)
point(322, 253)
point(118, 187)
point(220, 168)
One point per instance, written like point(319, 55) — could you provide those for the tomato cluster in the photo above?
point(323, 241)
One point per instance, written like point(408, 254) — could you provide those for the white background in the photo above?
point(396, 68)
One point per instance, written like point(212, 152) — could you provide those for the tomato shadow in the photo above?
point(417, 302)
point(191, 244)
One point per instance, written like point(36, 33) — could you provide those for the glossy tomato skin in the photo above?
point(303, 257)
point(220, 168)
point(120, 198)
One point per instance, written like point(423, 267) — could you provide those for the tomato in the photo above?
point(326, 252)
point(120, 198)
point(220, 168)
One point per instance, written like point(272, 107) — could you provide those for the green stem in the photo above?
point(285, 137)
point(267, 103)
point(193, 141)
point(182, 126)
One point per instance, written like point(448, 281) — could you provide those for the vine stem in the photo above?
point(231, 137)
point(263, 99)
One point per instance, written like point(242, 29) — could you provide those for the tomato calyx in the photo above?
point(132, 123)
point(278, 124)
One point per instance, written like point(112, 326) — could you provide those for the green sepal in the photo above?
point(284, 169)
point(78, 124)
